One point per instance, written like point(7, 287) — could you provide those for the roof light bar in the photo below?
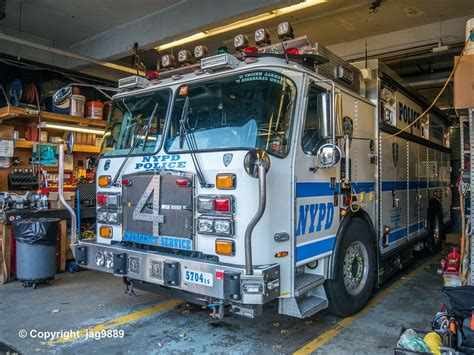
point(241, 23)
point(285, 31)
point(241, 41)
point(262, 37)
point(133, 82)
point(167, 61)
point(185, 56)
point(219, 61)
point(200, 52)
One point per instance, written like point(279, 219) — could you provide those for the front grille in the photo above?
point(153, 205)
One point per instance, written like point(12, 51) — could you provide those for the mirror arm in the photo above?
point(347, 156)
point(66, 205)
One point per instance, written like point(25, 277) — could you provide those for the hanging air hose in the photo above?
point(463, 188)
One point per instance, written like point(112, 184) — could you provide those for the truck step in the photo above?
point(305, 282)
point(302, 307)
point(311, 305)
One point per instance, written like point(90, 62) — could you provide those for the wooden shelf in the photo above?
point(77, 147)
point(7, 113)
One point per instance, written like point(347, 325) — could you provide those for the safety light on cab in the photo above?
point(104, 180)
point(105, 232)
point(225, 247)
point(226, 181)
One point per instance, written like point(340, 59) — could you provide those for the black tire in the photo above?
point(343, 302)
point(435, 231)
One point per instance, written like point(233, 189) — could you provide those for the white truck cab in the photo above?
point(280, 173)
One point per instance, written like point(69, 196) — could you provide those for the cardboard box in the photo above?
point(54, 202)
point(6, 131)
point(464, 83)
point(44, 137)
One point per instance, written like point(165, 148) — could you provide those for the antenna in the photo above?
point(284, 50)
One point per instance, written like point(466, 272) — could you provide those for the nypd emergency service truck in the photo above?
point(280, 172)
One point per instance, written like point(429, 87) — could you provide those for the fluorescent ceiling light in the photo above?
point(241, 23)
point(79, 129)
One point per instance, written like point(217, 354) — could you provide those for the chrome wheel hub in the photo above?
point(356, 268)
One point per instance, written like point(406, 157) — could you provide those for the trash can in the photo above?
point(35, 249)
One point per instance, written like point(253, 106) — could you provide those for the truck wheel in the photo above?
point(355, 274)
point(435, 238)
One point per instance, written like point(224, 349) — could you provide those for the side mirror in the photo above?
point(327, 156)
point(70, 142)
point(255, 158)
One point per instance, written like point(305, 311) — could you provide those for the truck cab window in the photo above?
point(317, 102)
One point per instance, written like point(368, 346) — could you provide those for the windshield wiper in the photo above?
point(188, 136)
point(143, 131)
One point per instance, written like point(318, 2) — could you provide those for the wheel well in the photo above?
point(340, 236)
point(435, 206)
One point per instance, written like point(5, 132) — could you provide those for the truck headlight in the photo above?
point(102, 216)
point(205, 225)
point(112, 217)
point(205, 204)
point(99, 258)
point(223, 226)
point(109, 260)
point(105, 216)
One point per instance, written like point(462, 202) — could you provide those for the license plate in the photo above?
point(198, 277)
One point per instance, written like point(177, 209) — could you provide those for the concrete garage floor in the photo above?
point(90, 301)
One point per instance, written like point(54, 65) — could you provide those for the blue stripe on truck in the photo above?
point(318, 189)
point(318, 247)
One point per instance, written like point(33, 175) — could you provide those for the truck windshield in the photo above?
point(245, 111)
point(127, 119)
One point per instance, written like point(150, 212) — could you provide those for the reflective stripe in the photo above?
point(317, 247)
point(402, 232)
point(318, 189)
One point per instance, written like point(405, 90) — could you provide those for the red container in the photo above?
point(32, 134)
point(95, 110)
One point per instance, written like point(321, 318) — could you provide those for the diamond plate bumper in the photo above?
point(229, 282)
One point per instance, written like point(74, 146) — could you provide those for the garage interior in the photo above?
point(60, 66)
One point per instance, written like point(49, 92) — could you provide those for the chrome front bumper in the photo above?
point(229, 282)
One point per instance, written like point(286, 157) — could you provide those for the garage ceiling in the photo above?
point(69, 22)
point(108, 29)
point(338, 21)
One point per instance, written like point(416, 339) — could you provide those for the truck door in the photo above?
point(417, 192)
point(394, 191)
point(316, 206)
point(423, 188)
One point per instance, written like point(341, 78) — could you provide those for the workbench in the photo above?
point(8, 244)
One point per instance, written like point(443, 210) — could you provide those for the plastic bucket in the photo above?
point(77, 105)
point(62, 100)
point(95, 110)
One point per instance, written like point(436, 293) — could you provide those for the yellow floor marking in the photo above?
point(346, 322)
point(118, 321)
